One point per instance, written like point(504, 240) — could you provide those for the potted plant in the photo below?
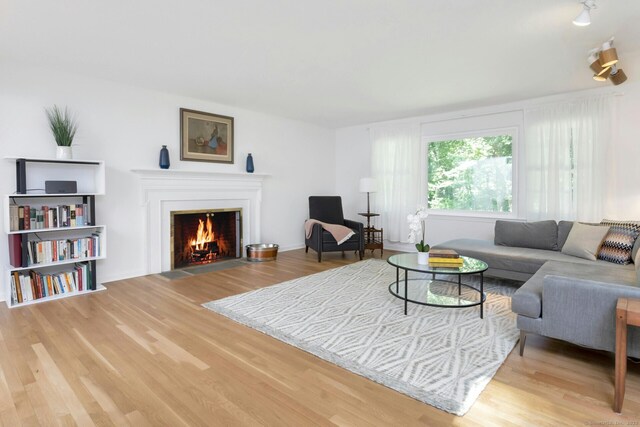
point(417, 227)
point(64, 127)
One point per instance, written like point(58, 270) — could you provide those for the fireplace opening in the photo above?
point(205, 236)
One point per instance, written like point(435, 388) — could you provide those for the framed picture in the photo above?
point(205, 137)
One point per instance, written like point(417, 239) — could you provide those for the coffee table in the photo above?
point(438, 292)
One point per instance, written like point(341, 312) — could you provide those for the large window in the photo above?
point(471, 173)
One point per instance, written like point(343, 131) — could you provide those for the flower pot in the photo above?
point(423, 258)
point(64, 152)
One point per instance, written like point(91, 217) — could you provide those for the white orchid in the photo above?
point(417, 226)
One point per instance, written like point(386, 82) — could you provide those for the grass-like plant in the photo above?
point(63, 125)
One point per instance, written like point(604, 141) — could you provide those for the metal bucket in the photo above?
point(262, 252)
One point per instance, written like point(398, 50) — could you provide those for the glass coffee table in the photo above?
point(438, 292)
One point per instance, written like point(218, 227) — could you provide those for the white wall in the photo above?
point(126, 126)
point(623, 199)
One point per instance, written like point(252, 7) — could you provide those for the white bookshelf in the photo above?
point(31, 174)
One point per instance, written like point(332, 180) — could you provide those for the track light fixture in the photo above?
point(603, 62)
point(584, 17)
point(617, 76)
point(608, 54)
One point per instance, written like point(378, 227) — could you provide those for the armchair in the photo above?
point(329, 209)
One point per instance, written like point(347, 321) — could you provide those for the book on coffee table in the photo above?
point(456, 261)
point(443, 253)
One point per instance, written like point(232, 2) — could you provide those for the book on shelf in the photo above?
point(443, 253)
point(15, 250)
point(33, 285)
point(35, 218)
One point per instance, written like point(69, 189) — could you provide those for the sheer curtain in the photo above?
point(566, 148)
point(396, 166)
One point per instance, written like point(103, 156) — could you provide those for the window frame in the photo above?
point(512, 131)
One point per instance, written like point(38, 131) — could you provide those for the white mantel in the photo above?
point(163, 191)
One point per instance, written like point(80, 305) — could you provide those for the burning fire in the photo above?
point(203, 236)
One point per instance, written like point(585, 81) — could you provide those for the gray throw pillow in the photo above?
point(584, 241)
point(636, 261)
point(564, 227)
point(636, 247)
point(535, 235)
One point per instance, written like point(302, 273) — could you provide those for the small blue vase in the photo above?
point(250, 167)
point(164, 158)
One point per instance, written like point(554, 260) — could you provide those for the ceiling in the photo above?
point(332, 62)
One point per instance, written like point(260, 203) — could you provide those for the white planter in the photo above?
point(64, 153)
point(423, 258)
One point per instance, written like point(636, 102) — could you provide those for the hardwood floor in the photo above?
point(145, 352)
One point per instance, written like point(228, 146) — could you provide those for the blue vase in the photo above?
point(250, 167)
point(164, 158)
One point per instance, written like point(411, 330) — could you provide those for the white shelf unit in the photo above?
point(31, 174)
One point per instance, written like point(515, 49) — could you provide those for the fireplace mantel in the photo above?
point(187, 174)
point(166, 190)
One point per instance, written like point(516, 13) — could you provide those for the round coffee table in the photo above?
point(440, 292)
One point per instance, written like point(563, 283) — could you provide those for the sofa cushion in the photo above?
point(584, 241)
point(535, 235)
point(527, 300)
point(564, 228)
point(618, 245)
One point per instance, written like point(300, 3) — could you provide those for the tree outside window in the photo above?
point(471, 174)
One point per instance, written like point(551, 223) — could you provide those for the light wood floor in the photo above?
point(146, 353)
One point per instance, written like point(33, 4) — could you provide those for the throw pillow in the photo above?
point(636, 261)
point(564, 228)
point(535, 235)
point(636, 248)
point(584, 241)
point(618, 244)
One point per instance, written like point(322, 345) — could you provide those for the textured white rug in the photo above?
point(441, 356)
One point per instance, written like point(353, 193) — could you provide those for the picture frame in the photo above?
point(206, 137)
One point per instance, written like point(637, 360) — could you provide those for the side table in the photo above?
point(627, 313)
point(373, 237)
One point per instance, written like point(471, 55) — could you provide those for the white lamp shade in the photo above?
point(368, 185)
point(583, 19)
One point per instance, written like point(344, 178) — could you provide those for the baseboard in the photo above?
point(290, 247)
point(105, 279)
point(400, 247)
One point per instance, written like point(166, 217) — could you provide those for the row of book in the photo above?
point(445, 258)
point(35, 218)
point(46, 251)
point(32, 285)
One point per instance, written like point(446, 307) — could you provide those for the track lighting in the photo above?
point(603, 62)
point(608, 55)
point(584, 17)
point(617, 76)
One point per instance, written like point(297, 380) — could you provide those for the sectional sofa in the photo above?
point(563, 296)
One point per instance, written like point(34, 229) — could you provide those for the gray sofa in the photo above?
point(563, 297)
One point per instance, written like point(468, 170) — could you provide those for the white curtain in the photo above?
point(566, 149)
point(396, 167)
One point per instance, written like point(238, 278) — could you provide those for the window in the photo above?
point(471, 173)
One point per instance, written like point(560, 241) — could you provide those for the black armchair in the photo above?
point(329, 209)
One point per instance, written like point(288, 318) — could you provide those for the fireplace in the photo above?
point(204, 236)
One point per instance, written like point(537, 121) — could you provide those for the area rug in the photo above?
point(444, 357)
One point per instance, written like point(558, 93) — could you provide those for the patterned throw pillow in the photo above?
point(618, 243)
